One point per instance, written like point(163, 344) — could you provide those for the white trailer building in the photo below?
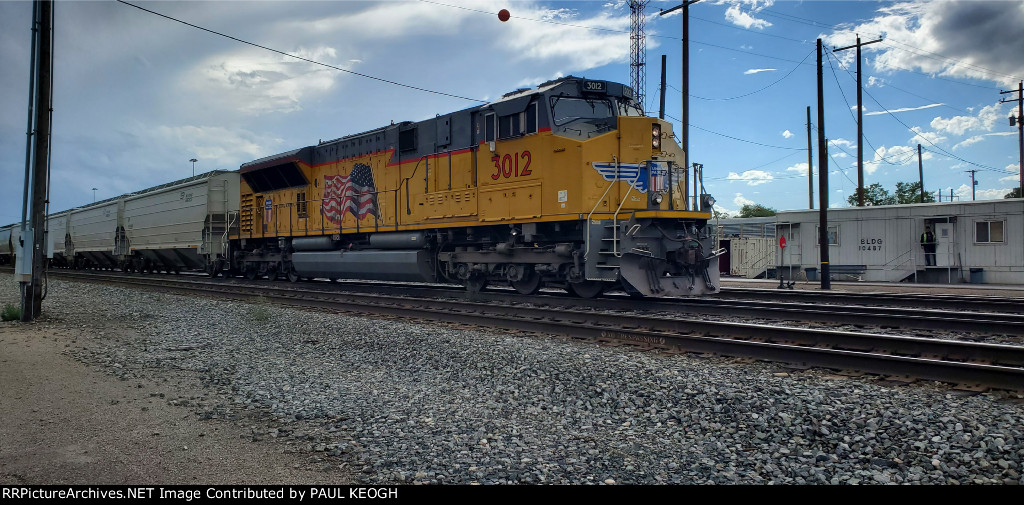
point(981, 242)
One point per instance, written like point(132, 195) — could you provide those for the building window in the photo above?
point(300, 204)
point(833, 234)
point(988, 232)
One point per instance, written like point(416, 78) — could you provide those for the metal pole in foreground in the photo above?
point(826, 282)
point(661, 108)
point(920, 171)
point(810, 165)
point(32, 294)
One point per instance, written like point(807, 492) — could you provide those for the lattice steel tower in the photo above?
point(637, 50)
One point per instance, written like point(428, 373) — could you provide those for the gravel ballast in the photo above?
point(408, 402)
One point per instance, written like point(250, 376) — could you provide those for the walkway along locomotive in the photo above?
point(568, 185)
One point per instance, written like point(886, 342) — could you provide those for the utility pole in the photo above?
point(810, 165)
point(860, 122)
point(661, 108)
point(38, 153)
point(920, 171)
point(826, 282)
point(974, 183)
point(1019, 120)
point(686, 72)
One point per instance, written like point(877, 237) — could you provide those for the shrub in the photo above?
point(11, 313)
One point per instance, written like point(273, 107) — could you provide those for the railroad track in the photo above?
point(955, 302)
point(971, 364)
point(973, 314)
point(861, 310)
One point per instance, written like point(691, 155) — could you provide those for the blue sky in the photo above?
point(137, 95)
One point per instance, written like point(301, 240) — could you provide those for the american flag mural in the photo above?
point(354, 193)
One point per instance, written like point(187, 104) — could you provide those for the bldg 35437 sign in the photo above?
point(870, 244)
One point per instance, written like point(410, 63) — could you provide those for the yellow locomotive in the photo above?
point(566, 185)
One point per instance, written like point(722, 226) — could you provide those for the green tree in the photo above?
point(756, 210)
point(874, 194)
point(1014, 193)
point(910, 192)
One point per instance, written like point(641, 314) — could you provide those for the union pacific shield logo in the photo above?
point(640, 175)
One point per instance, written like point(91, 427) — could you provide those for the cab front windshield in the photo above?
point(565, 110)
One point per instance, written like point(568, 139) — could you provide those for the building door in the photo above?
point(945, 245)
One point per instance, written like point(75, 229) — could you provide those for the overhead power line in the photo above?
point(737, 138)
point(367, 76)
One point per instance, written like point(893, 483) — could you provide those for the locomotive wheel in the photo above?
point(476, 284)
point(293, 276)
point(585, 289)
point(529, 284)
point(252, 273)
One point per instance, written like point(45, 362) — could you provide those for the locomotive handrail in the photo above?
point(592, 211)
point(615, 217)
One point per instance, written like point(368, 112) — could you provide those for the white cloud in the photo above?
point(923, 137)
point(740, 200)
point(758, 70)
point(986, 120)
point(799, 168)
point(841, 142)
point(956, 39)
point(896, 155)
point(969, 142)
point(257, 82)
point(904, 109)
point(751, 177)
point(787, 134)
point(875, 82)
point(735, 15)
point(964, 192)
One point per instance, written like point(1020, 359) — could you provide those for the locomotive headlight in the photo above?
point(658, 198)
point(655, 136)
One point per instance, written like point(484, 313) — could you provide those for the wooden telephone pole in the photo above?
point(860, 122)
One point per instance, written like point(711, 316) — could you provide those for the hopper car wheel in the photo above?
point(585, 289)
point(252, 273)
point(177, 270)
point(293, 276)
point(333, 279)
point(529, 284)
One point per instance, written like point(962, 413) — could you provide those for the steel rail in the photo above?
point(982, 323)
